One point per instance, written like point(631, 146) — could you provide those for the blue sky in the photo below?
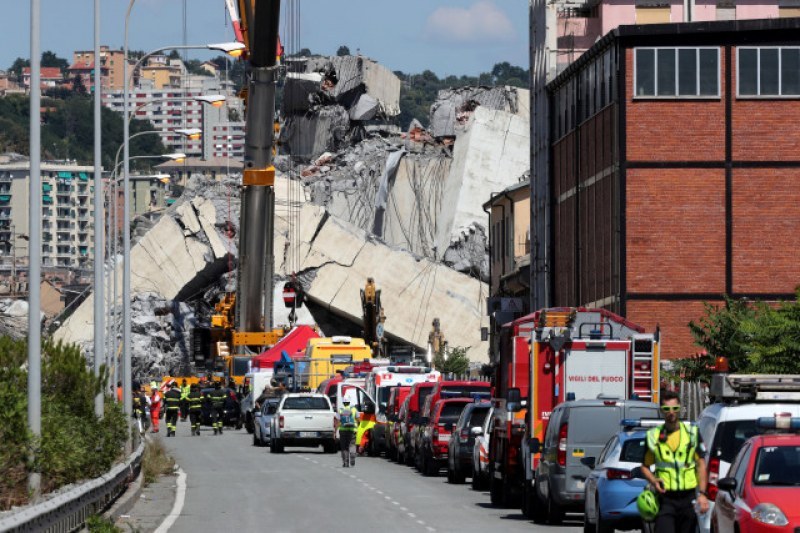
point(445, 36)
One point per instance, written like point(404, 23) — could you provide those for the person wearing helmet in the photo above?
point(676, 450)
point(218, 396)
point(155, 405)
point(172, 399)
point(195, 400)
point(347, 417)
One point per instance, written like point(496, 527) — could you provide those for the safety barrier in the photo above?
point(69, 511)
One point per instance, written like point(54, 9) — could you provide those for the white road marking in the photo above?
point(404, 509)
point(395, 503)
point(412, 515)
point(177, 508)
point(429, 528)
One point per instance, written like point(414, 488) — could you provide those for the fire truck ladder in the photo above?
point(644, 376)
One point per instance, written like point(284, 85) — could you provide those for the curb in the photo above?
point(127, 500)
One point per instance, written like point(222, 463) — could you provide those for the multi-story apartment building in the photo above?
point(49, 77)
point(174, 107)
point(226, 140)
point(67, 204)
point(112, 67)
point(162, 72)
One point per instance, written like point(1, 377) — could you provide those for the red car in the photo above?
point(763, 488)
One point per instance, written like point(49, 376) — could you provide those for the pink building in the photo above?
point(49, 77)
point(580, 25)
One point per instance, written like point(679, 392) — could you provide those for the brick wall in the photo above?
point(766, 230)
point(673, 319)
point(675, 230)
point(674, 130)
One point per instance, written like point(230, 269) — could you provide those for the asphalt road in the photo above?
point(233, 486)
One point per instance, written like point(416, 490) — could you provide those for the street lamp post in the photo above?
point(230, 48)
point(35, 252)
point(99, 264)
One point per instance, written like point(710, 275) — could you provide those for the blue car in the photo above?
point(263, 420)
point(615, 482)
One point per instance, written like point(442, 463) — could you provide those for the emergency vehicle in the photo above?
point(379, 385)
point(547, 358)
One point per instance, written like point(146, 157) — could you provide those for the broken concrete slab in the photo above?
point(338, 257)
point(299, 91)
point(309, 135)
point(491, 153)
point(453, 106)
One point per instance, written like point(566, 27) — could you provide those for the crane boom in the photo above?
point(256, 262)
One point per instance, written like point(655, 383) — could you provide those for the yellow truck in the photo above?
point(327, 355)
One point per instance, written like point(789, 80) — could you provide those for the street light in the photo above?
point(217, 100)
point(233, 49)
point(191, 133)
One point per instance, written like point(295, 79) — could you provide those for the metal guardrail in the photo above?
point(69, 511)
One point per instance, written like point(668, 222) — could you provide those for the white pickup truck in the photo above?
point(303, 419)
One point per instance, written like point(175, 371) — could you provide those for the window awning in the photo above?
point(83, 176)
point(46, 187)
point(5, 197)
point(47, 199)
point(65, 175)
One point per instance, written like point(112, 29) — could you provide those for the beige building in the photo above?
point(509, 254)
point(67, 204)
point(162, 72)
point(112, 64)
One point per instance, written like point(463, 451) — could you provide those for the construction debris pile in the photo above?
point(354, 199)
point(13, 318)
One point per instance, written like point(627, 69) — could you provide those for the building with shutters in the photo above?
point(67, 206)
point(675, 170)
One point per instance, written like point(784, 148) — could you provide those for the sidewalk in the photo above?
point(152, 507)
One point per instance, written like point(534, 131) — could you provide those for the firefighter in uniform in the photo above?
point(217, 407)
point(172, 399)
point(676, 449)
point(347, 417)
point(195, 401)
point(185, 390)
point(139, 409)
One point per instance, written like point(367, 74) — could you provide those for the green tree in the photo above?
point(50, 59)
point(456, 362)
point(772, 338)
point(17, 66)
point(343, 51)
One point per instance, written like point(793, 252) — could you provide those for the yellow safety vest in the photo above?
point(678, 469)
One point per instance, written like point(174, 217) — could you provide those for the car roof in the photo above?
point(723, 412)
point(776, 439)
point(602, 402)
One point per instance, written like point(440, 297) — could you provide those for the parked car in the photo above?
point(616, 481)
point(459, 453)
point(303, 419)
point(436, 433)
point(725, 425)
point(763, 486)
point(415, 402)
point(480, 454)
point(263, 422)
point(403, 431)
point(575, 431)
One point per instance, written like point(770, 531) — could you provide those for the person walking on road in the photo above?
point(155, 405)
point(139, 410)
point(218, 397)
point(195, 400)
point(172, 398)
point(676, 449)
point(185, 390)
point(347, 419)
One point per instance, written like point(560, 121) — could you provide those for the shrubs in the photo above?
point(155, 461)
point(75, 444)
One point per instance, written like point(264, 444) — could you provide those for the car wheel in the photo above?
point(249, 424)
point(256, 442)
point(429, 466)
point(600, 525)
point(555, 514)
point(495, 489)
point(277, 447)
point(458, 476)
point(408, 457)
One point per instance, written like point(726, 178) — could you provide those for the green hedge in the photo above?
point(75, 444)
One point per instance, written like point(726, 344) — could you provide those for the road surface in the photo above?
point(233, 486)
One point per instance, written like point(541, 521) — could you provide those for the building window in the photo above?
point(676, 72)
point(768, 71)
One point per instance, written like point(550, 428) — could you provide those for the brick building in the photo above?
point(675, 171)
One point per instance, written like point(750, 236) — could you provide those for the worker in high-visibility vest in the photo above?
point(195, 400)
point(155, 405)
point(347, 419)
point(676, 450)
point(185, 390)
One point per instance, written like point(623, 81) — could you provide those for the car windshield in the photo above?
point(478, 416)
point(383, 395)
point(450, 412)
point(306, 403)
point(423, 395)
point(730, 436)
point(778, 466)
point(633, 451)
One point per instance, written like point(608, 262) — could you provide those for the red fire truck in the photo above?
point(549, 357)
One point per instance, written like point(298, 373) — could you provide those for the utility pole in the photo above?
point(99, 263)
point(35, 251)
